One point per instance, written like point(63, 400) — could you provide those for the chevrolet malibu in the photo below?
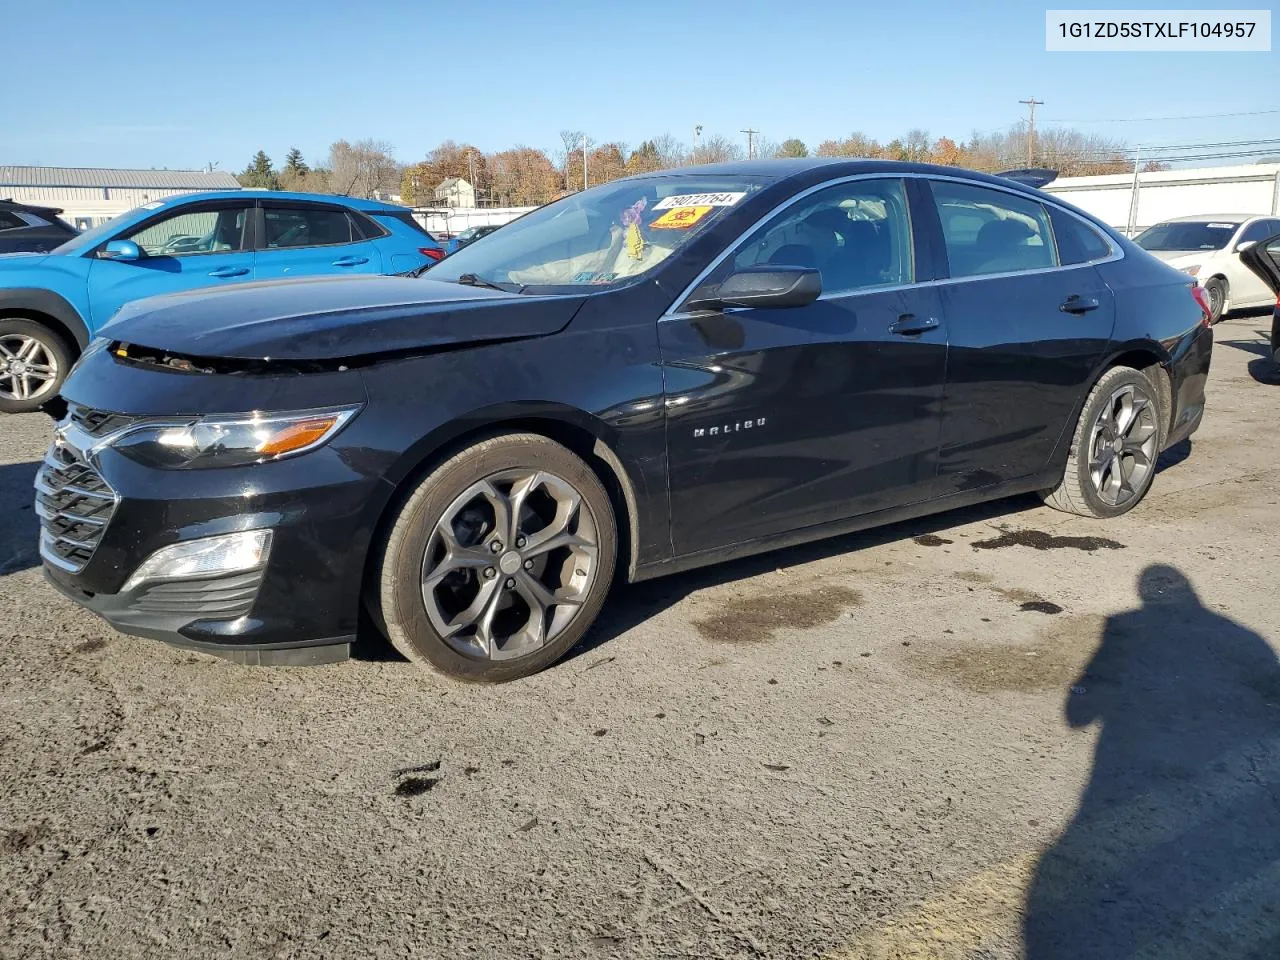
point(659, 373)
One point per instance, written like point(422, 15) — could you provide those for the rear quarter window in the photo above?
point(1077, 241)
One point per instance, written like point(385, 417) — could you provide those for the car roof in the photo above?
point(801, 167)
point(1215, 217)
point(355, 203)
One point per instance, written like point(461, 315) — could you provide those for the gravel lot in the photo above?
point(998, 733)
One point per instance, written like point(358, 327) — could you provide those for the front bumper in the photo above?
point(102, 515)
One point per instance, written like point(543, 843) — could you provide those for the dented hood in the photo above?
point(334, 318)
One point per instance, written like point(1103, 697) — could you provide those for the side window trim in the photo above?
point(674, 311)
point(207, 206)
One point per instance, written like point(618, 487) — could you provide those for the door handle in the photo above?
point(229, 272)
point(350, 261)
point(1077, 304)
point(909, 325)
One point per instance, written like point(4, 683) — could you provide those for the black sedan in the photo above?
point(28, 229)
point(1263, 258)
point(655, 374)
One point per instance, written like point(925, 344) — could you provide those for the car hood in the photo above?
point(334, 318)
point(1182, 258)
point(24, 259)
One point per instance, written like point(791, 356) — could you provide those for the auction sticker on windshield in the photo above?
point(700, 200)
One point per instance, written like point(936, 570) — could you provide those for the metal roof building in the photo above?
point(90, 195)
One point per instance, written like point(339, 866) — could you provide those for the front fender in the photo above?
point(38, 300)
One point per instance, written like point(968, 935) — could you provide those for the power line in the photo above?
point(1196, 116)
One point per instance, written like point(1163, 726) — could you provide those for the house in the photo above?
point(455, 192)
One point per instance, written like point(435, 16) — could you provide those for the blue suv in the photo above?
point(52, 304)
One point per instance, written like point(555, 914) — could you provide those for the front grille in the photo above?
point(74, 504)
point(98, 423)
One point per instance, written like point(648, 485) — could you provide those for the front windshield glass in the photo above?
point(1187, 235)
point(103, 231)
point(601, 237)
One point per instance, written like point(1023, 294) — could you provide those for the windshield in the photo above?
point(602, 237)
point(103, 231)
point(1187, 235)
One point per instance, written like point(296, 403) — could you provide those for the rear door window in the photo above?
point(287, 227)
point(990, 231)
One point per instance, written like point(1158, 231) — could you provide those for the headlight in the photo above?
point(232, 441)
point(1192, 270)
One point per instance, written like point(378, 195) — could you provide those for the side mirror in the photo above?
point(121, 250)
point(1244, 245)
point(767, 287)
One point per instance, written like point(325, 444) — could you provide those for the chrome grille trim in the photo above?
point(73, 501)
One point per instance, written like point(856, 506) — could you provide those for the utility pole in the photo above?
point(584, 161)
point(751, 142)
point(697, 132)
point(1132, 226)
point(1031, 127)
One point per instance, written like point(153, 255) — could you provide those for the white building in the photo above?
point(91, 195)
point(455, 192)
point(1132, 205)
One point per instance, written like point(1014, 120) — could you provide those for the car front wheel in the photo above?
point(499, 561)
point(1115, 447)
point(33, 363)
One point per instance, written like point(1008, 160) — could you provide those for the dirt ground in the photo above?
point(997, 733)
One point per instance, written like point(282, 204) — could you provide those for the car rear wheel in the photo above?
point(1215, 291)
point(1115, 447)
point(499, 561)
point(33, 363)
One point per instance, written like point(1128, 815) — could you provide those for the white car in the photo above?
point(1208, 248)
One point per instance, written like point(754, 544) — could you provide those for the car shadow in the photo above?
point(1174, 849)
point(1265, 370)
point(1260, 347)
point(20, 534)
point(629, 605)
point(632, 604)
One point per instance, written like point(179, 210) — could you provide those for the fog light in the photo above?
point(206, 557)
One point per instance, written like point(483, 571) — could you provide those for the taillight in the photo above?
point(433, 253)
point(1203, 301)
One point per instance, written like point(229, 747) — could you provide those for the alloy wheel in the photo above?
point(28, 368)
point(1122, 445)
point(509, 564)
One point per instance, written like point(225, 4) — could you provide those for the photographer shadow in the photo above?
point(1174, 850)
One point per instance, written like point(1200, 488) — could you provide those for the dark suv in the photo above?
point(658, 373)
point(28, 229)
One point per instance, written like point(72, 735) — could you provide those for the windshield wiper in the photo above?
point(471, 280)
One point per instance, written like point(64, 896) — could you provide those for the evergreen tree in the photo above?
point(793, 148)
point(259, 173)
point(294, 164)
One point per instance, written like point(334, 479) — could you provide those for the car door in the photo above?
point(788, 417)
point(1246, 288)
point(1263, 258)
point(195, 245)
point(301, 239)
point(1027, 327)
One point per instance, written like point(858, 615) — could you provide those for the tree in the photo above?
point(855, 145)
point(259, 174)
point(792, 147)
point(360, 169)
point(671, 152)
point(449, 159)
point(294, 164)
point(948, 153)
point(645, 159)
point(523, 176)
point(717, 149)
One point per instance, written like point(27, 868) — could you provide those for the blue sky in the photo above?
point(145, 83)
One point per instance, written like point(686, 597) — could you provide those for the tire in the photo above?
point(34, 362)
point(1102, 421)
point(1215, 290)
point(424, 586)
